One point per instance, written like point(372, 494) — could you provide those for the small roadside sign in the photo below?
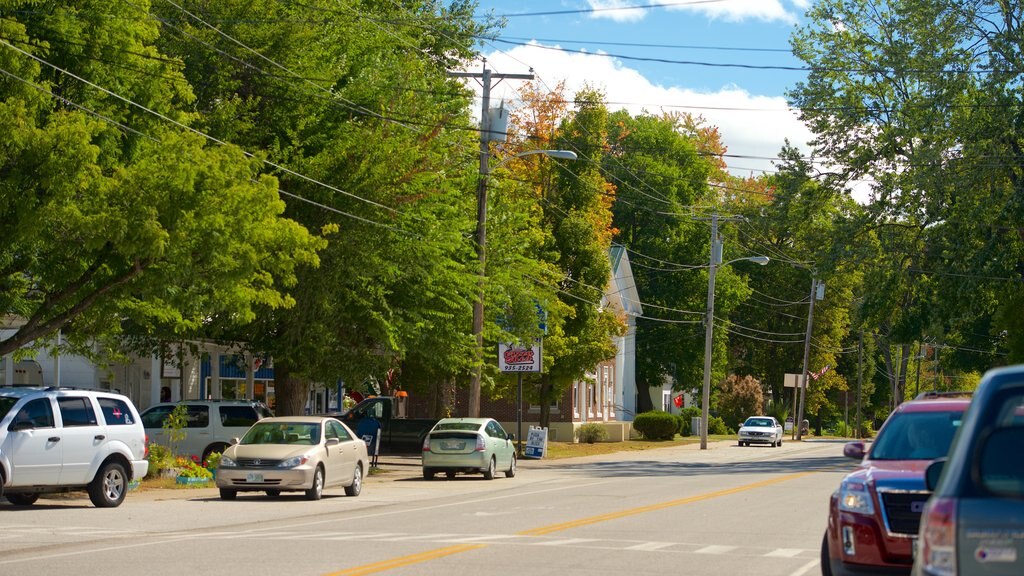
point(536, 442)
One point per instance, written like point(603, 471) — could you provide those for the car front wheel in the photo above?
point(511, 472)
point(108, 488)
point(356, 486)
point(22, 499)
point(317, 490)
point(825, 561)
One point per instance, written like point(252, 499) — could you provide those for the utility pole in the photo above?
point(709, 319)
point(860, 376)
point(485, 76)
point(807, 356)
point(920, 355)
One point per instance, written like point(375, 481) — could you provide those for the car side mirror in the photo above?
point(511, 436)
point(854, 450)
point(234, 441)
point(933, 472)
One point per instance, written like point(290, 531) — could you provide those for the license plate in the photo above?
point(254, 477)
point(452, 445)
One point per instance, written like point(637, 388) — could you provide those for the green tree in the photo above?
point(577, 210)
point(661, 166)
point(356, 108)
point(111, 215)
point(921, 98)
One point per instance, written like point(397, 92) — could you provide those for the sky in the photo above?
point(725, 60)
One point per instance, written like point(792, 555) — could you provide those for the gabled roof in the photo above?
point(622, 292)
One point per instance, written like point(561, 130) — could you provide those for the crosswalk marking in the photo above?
point(650, 546)
point(715, 549)
point(21, 531)
point(784, 552)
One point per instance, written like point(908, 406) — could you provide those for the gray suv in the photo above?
point(210, 424)
point(974, 522)
point(61, 439)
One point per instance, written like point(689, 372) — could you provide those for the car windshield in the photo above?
point(469, 426)
point(282, 433)
point(758, 422)
point(916, 436)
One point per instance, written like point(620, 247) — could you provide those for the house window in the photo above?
point(576, 400)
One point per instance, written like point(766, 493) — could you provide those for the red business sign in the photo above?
point(516, 358)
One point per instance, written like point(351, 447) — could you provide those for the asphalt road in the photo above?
point(725, 511)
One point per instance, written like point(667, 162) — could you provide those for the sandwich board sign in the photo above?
point(536, 442)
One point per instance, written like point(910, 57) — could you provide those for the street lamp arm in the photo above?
point(560, 154)
point(762, 260)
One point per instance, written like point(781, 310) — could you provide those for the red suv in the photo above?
point(874, 515)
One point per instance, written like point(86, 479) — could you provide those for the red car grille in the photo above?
point(902, 511)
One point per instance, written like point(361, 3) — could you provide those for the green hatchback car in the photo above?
point(468, 446)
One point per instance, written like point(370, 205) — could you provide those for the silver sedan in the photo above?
point(301, 453)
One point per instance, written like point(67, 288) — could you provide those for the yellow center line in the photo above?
point(441, 552)
point(406, 560)
point(660, 506)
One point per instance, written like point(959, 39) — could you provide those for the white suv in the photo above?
point(210, 424)
point(61, 439)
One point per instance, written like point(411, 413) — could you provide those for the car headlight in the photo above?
point(294, 462)
point(225, 461)
point(855, 497)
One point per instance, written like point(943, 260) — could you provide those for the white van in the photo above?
point(211, 424)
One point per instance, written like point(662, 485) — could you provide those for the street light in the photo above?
point(716, 255)
point(481, 252)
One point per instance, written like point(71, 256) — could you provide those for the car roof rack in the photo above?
point(931, 394)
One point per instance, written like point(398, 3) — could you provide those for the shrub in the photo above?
point(687, 416)
point(717, 426)
point(656, 425)
point(160, 459)
point(591, 432)
point(189, 469)
point(212, 461)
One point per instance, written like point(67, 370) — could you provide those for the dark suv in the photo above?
point(874, 515)
point(974, 522)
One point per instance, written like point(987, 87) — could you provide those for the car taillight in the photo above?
point(480, 446)
point(426, 443)
point(145, 453)
point(938, 537)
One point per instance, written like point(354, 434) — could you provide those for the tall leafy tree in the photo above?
point(111, 212)
point(374, 148)
point(577, 210)
point(922, 98)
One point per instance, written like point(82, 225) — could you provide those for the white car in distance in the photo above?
point(760, 430)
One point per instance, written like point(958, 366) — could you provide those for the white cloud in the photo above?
point(751, 125)
point(617, 13)
point(730, 10)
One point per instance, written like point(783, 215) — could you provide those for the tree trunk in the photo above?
point(290, 393)
point(545, 401)
point(643, 399)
